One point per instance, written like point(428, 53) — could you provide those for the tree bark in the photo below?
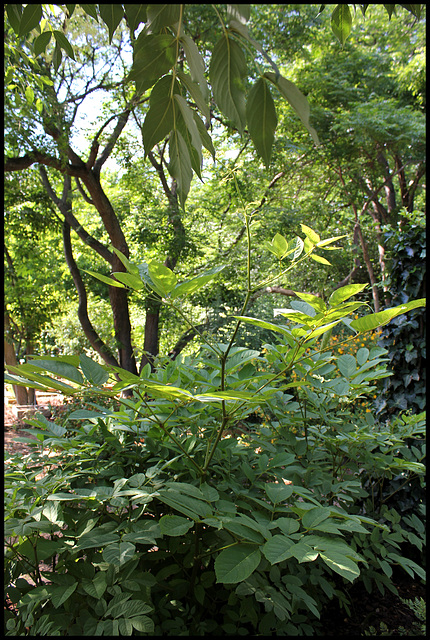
point(117, 297)
point(22, 394)
point(152, 320)
point(94, 339)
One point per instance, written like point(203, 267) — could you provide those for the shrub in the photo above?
point(153, 519)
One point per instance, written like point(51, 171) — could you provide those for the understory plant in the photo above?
point(179, 513)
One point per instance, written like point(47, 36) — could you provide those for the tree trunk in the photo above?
point(22, 394)
point(150, 346)
point(118, 297)
point(369, 267)
point(94, 339)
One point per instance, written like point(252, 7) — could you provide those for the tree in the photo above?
point(33, 279)
point(165, 93)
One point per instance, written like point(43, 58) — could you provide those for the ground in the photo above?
point(367, 609)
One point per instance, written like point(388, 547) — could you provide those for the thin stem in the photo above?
point(193, 327)
point(161, 425)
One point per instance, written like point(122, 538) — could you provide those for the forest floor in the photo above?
point(387, 614)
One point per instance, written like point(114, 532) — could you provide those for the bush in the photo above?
point(155, 519)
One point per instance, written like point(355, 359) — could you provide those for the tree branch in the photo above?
point(23, 162)
point(122, 121)
point(65, 209)
point(85, 196)
point(186, 338)
point(92, 335)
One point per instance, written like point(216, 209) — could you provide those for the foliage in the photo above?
point(151, 519)
point(405, 338)
point(155, 66)
point(57, 60)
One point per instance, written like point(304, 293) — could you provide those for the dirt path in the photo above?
point(14, 428)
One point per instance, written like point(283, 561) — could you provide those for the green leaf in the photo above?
point(263, 324)
point(111, 14)
point(180, 164)
point(262, 120)
point(362, 356)
point(197, 71)
point(143, 623)
point(279, 246)
point(239, 12)
point(97, 586)
point(27, 370)
point(119, 553)
point(375, 320)
point(286, 525)
point(347, 365)
point(277, 548)
point(303, 552)
point(62, 42)
point(154, 55)
point(162, 277)
point(218, 396)
point(90, 10)
point(162, 15)
point(314, 516)
point(190, 123)
point(131, 268)
point(57, 57)
point(130, 280)
point(30, 19)
point(236, 563)
point(296, 99)
point(44, 549)
point(160, 118)
point(167, 391)
point(344, 293)
point(129, 609)
point(311, 234)
point(315, 302)
point(29, 95)
point(41, 42)
point(110, 281)
point(191, 286)
point(341, 22)
point(14, 13)
point(195, 93)
point(342, 565)
point(299, 246)
point(240, 529)
point(277, 492)
point(319, 259)
point(227, 72)
point(175, 525)
point(145, 532)
point(62, 369)
point(323, 243)
point(136, 14)
point(205, 137)
point(93, 371)
point(93, 539)
point(320, 330)
point(59, 594)
point(189, 506)
point(43, 384)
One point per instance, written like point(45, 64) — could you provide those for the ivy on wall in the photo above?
point(404, 337)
